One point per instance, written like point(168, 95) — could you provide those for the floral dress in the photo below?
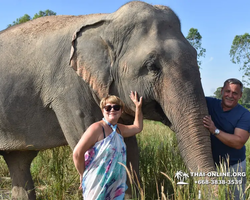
point(104, 178)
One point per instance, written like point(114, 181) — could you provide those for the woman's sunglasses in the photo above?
point(115, 107)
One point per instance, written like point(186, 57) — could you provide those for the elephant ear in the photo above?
point(92, 56)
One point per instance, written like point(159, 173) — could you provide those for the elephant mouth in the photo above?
point(153, 111)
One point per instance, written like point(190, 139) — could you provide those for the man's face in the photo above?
point(231, 94)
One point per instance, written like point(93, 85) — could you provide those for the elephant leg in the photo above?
point(133, 158)
point(19, 166)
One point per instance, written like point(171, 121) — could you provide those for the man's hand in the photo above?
point(209, 124)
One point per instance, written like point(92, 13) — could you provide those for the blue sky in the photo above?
point(217, 21)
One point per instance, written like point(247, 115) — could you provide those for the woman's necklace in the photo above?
point(112, 126)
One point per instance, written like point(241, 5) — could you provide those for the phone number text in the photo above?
point(219, 182)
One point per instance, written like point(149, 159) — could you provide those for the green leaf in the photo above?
point(194, 38)
point(240, 53)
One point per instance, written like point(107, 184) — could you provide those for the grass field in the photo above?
point(56, 178)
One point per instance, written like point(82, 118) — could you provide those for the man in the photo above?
point(229, 125)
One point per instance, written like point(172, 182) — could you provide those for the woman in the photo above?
point(102, 145)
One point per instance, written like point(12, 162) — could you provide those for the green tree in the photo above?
point(20, 20)
point(194, 39)
point(246, 96)
point(240, 54)
point(217, 93)
point(26, 17)
point(44, 13)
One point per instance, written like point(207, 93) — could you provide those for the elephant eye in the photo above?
point(153, 68)
point(152, 64)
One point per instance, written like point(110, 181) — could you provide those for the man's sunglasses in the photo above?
point(115, 107)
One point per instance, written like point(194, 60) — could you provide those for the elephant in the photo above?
point(54, 71)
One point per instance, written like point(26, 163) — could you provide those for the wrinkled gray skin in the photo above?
point(44, 103)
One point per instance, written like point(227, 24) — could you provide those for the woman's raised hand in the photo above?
point(134, 98)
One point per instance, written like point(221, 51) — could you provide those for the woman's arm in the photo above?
point(130, 130)
point(88, 140)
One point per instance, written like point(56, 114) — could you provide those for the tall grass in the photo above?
point(158, 153)
point(55, 176)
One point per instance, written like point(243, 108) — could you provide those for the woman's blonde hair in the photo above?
point(111, 99)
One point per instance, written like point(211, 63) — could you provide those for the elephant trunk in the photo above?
point(185, 110)
point(194, 143)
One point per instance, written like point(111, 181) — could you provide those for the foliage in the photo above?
point(157, 156)
point(20, 20)
point(246, 95)
point(240, 53)
point(26, 17)
point(217, 93)
point(194, 39)
point(5, 180)
point(245, 99)
point(44, 13)
point(61, 180)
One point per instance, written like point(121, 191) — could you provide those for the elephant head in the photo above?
point(140, 47)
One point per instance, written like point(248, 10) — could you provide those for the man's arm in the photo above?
point(236, 140)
